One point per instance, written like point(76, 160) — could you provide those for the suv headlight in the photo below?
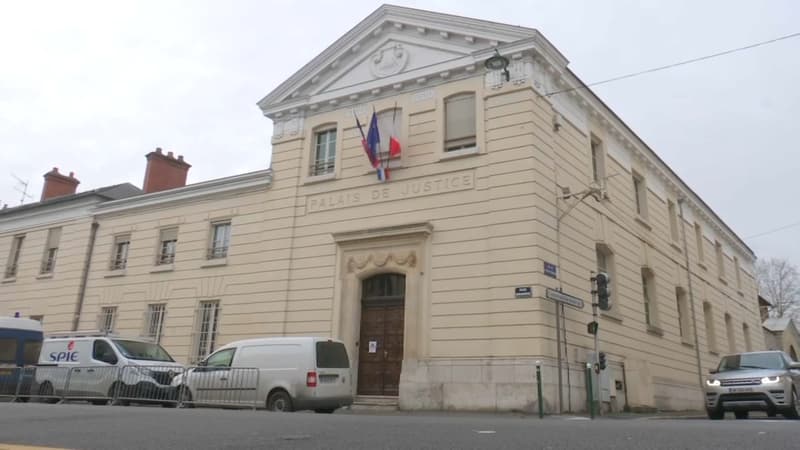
point(712, 382)
point(770, 380)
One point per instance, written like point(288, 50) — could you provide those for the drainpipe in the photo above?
point(85, 276)
point(691, 298)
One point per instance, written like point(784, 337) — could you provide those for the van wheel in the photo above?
point(793, 412)
point(279, 401)
point(325, 410)
point(46, 393)
point(185, 397)
point(115, 391)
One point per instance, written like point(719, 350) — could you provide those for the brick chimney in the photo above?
point(164, 171)
point(57, 185)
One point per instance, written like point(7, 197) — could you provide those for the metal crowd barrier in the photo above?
point(226, 387)
point(166, 385)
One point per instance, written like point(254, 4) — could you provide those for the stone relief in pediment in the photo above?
point(390, 58)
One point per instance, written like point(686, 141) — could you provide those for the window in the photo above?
point(220, 239)
point(731, 334)
point(102, 351)
point(598, 161)
point(13, 257)
point(222, 358)
point(738, 270)
point(154, 321)
point(649, 296)
point(30, 352)
point(748, 346)
point(698, 235)
point(206, 329)
point(605, 263)
point(324, 159)
point(720, 259)
point(50, 250)
point(168, 242)
point(640, 195)
point(8, 350)
point(711, 333)
point(107, 319)
point(684, 327)
point(119, 257)
point(673, 220)
point(459, 123)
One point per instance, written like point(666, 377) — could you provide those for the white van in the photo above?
point(281, 374)
point(104, 366)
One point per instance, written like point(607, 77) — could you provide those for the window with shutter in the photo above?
point(50, 250)
point(119, 257)
point(167, 246)
point(459, 112)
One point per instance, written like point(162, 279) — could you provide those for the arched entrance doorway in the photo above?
point(380, 348)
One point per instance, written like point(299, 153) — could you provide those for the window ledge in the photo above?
point(676, 246)
point(713, 352)
point(643, 222)
point(702, 265)
point(687, 344)
point(614, 317)
point(723, 281)
point(654, 330)
point(44, 276)
point(163, 268)
point(462, 153)
point(216, 262)
point(311, 179)
point(9, 279)
point(115, 273)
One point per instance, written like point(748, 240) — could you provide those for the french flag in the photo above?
point(374, 145)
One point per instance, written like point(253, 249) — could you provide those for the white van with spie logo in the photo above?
point(279, 374)
point(98, 368)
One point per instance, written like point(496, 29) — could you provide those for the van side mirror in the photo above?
point(202, 363)
point(794, 365)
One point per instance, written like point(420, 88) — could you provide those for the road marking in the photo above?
point(485, 431)
point(27, 447)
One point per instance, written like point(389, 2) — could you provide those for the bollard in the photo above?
point(589, 394)
point(539, 388)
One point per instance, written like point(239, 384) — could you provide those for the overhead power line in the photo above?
point(791, 225)
point(681, 63)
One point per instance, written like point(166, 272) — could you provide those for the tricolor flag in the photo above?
point(394, 144)
point(374, 146)
point(364, 141)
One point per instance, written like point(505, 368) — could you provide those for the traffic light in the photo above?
point(603, 291)
point(602, 360)
point(591, 327)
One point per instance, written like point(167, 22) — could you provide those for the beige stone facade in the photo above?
point(464, 227)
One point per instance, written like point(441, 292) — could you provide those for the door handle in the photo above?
point(76, 370)
point(223, 378)
point(90, 370)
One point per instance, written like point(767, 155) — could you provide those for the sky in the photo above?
point(91, 87)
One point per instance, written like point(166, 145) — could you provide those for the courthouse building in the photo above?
point(512, 178)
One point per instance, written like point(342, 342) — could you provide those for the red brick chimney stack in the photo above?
point(57, 185)
point(164, 171)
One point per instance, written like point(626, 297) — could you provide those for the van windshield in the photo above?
point(145, 351)
point(332, 355)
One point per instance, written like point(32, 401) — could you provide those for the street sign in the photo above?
point(561, 297)
point(550, 269)
point(523, 292)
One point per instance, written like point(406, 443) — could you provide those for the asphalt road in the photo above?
point(102, 427)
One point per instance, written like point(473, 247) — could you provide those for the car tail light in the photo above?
point(311, 379)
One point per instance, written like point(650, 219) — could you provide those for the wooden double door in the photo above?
point(380, 354)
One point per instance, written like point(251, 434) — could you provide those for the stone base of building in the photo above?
point(510, 385)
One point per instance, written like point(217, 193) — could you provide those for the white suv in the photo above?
point(754, 381)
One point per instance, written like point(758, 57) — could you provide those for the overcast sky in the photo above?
point(91, 87)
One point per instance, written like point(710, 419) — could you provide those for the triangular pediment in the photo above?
point(391, 43)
